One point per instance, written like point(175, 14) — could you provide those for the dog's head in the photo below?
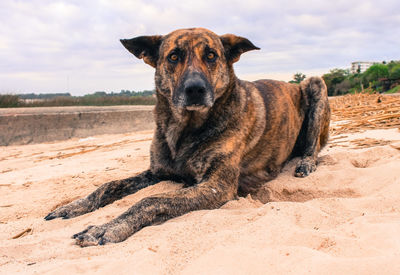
point(193, 66)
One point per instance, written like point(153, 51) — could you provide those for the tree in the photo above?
point(333, 78)
point(394, 72)
point(356, 82)
point(375, 72)
point(100, 94)
point(298, 77)
point(343, 87)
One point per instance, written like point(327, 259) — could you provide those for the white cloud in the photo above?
point(43, 43)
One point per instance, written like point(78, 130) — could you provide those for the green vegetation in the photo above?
point(43, 96)
point(9, 101)
point(125, 97)
point(382, 78)
point(298, 77)
point(394, 90)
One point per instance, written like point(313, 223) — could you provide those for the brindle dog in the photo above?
point(218, 135)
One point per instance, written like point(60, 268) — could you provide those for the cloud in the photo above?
point(50, 46)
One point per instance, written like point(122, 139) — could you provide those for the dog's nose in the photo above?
point(195, 88)
point(193, 92)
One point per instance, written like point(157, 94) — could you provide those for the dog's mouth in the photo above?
point(198, 104)
point(197, 108)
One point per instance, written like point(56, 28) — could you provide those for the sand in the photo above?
point(342, 219)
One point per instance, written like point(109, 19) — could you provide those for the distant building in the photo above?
point(360, 66)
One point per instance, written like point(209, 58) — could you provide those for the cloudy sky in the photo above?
point(59, 46)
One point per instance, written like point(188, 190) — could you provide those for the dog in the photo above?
point(216, 134)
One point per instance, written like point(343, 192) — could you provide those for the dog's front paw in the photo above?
point(100, 235)
point(73, 209)
point(304, 168)
point(93, 235)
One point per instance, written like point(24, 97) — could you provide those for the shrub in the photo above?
point(8, 101)
point(394, 73)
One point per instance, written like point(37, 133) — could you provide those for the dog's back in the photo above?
point(283, 110)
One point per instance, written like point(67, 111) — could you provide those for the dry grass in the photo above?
point(353, 113)
point(12, 101)
point(368, 142)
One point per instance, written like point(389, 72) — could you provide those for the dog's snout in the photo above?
point(193, 92)
point(195, 87)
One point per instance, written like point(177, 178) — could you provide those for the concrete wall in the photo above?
point(34, 125)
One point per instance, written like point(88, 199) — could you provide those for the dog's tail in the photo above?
point(314, 89)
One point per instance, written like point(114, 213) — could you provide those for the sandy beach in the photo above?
point(231, 91)
point(342, 219)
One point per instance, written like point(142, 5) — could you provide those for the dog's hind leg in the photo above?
point(211, 194)
point(315, 129)
point(105, 194)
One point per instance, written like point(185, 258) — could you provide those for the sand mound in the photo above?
point(342, 219)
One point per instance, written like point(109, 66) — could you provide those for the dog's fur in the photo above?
point(218, 135)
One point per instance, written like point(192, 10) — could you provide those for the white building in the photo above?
point(360, 66)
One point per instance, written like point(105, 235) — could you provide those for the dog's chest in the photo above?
point(183, 138)
point(185, 157)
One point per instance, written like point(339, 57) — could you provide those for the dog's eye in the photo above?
point(211, 56)
point(173, 57)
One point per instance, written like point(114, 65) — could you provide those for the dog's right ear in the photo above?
point(146, 47)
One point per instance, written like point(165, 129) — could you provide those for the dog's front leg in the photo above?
point(105, 194)
point(214, 192)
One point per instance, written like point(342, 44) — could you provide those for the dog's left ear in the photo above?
point(235, 46)
point(146, 47)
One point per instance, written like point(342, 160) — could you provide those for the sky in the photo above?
point(73, 46)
